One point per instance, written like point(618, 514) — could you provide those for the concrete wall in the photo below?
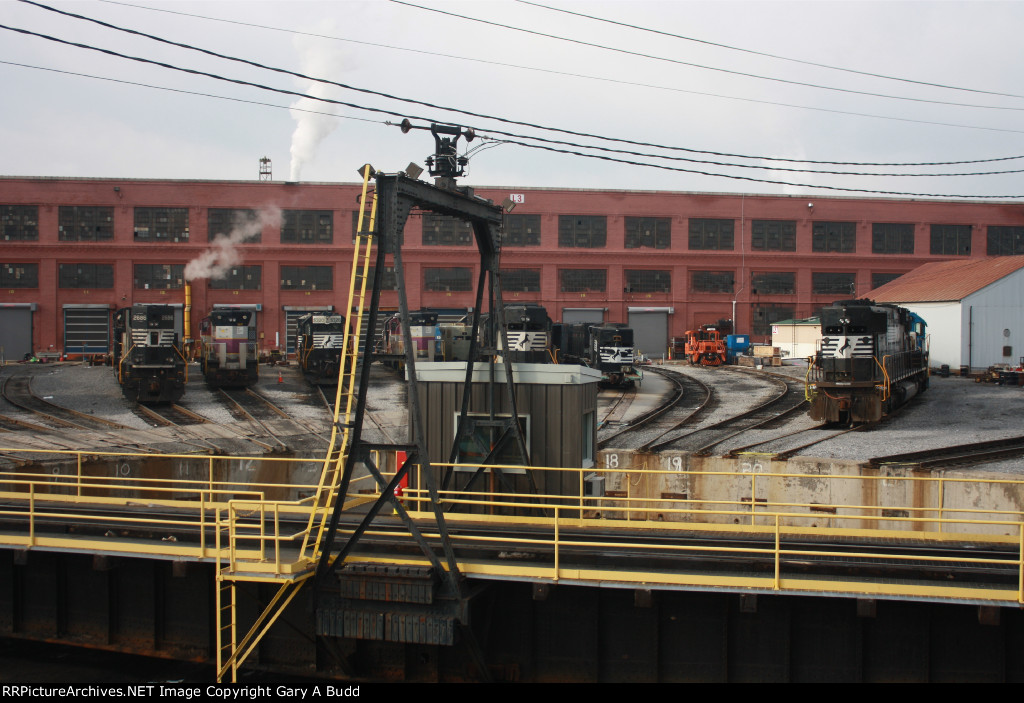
point(829, 492)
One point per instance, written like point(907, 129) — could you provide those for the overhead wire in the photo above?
point(195, 92)
point(767, 54)
point(758, 180)
point(523, 144)
point(504, 120)
point(495, 131)
point(570, 74)
point(637, 163)
point(640, 54)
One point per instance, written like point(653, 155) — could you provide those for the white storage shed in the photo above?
point(974, 309)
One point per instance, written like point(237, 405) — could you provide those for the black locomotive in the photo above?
point(606, 347)
point(528, 329)
point(872, 359)
point(320, 339)
point(147, 357)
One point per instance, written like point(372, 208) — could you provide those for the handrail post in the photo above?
point(582, 491)
point(210, 476)
point(778, 557)
point(753, 494)
point(32, 514)
point(202, 525)
point(79, 481)
point(277, 538)
point(942, 486)
point(1020, 561)
point(261, 516)
point(556, 543)
point(231, 536)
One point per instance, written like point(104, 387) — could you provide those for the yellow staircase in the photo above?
point(253, 553)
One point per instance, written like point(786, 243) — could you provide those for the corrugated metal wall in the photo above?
point(996, 316)
point(555, 413)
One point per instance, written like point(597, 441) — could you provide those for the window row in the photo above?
point(169, 224)
point(165, 277)
point(311, 278)
point(163, 224)
point(590, 232)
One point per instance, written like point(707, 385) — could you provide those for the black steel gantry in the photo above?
point(397, 195)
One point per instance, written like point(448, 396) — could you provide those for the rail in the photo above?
point(257, 527)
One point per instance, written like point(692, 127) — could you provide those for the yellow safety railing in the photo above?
point(256, 530)
point(943, 505)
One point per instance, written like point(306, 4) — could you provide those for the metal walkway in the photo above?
point(720, 540)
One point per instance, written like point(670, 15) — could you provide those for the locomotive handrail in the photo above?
point(183, 359)
point(886, 390)
point(808, 393)
point(121, 362)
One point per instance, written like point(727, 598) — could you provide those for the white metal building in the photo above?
point(974, 309)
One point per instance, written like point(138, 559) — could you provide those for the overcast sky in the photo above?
point(55, 124)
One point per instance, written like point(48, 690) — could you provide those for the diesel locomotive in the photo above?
point(422, 329)
point(606, 347)
point(528, 329)
point(147, 358)
point(320, 339)
point(873, 357)
point(228, 348)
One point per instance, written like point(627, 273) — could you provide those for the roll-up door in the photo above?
point(650, 330)
point(87, 330)
point(15, 331)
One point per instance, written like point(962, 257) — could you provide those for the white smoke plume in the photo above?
point(223, 252)
point(320, 59)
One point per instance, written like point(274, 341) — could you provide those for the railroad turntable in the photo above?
point(655, 526)
point(472, 542)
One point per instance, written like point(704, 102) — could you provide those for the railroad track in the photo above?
point(251, 407)
point(787, 397)
point(172, 415)
point(673, 413)
point(17, 390)
point(367, 413)
point(956, 455)
point(617, 412)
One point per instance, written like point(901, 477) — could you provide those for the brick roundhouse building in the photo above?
point(76, 249)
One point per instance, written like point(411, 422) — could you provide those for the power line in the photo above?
point(696, 65)
point(768, 55)
point(495, 118)
point(503, 133)
point(509, 141)
point(604, 79)
point(755, 180)
point(194, 92)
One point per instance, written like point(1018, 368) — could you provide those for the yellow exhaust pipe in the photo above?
point(187, 341)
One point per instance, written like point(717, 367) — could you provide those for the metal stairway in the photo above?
point(246, 520)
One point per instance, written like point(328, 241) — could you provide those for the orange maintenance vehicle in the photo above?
point(705, 346)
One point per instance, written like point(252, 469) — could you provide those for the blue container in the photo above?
point(736, 344)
